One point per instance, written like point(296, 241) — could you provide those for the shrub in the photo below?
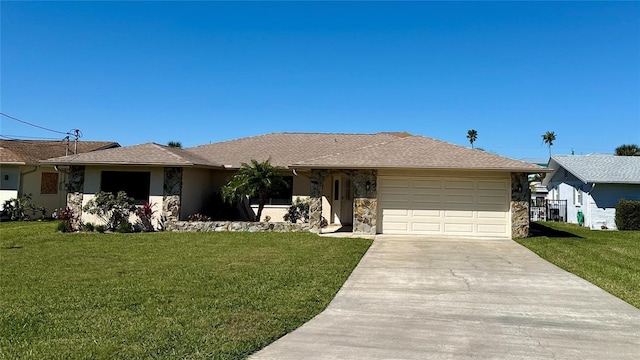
point(88, 227)
point(113, 209)
point(101, 228)
point(628, 215)
point(63, 227)
point(66, 216)
point(124, 227)
point(22, 209)
point(299, 210)
point(145, 215)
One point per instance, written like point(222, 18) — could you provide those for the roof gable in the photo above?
point(143, 154)
point(419, 152)
point(31, 151)
point(285, 149)
point(598, 168)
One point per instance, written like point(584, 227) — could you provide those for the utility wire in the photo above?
point(20, 137)
point(34, 125)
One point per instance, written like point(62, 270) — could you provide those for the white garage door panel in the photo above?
point(425, 227)
point(427, 213)
point(427, 184)
point(444, 206)
point(491, 229)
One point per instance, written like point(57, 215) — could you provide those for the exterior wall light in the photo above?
point(368, 185)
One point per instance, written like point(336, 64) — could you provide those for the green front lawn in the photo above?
point(161, 295)
point(608, 259)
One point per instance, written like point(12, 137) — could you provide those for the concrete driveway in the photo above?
point(418, 298)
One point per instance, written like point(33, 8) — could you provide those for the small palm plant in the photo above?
point(256, 179)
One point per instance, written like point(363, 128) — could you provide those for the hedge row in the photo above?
point(628, 215)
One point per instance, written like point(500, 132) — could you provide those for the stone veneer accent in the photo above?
point(171, 194)
point(208, 226)
point(365, 202)
point(519, 205)
point(315, 201)
point(75, 194)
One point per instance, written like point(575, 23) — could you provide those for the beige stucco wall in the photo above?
point(31, 178)
point(196, 189)
point(92, 186)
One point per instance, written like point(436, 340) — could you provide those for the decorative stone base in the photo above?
point(315, 214)
point(519, 205)
point(74, 202)
point(364, 216)
point(519, 219)
point(208, 226)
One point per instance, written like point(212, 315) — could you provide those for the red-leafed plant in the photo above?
point(145, 215)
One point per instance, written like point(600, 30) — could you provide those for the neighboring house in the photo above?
point(593, 184)
point(22, 173)
point(539, 192)
point(391, 183)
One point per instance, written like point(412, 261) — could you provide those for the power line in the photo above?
point(20, 137)
point(34, 125)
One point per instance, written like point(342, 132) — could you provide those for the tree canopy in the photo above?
point(548, 138)
point(472, 135)
point(628, 150)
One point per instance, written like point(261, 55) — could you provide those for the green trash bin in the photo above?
point(580, 218)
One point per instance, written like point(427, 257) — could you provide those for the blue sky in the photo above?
point(201, 72)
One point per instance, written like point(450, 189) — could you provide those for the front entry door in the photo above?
point(347, 202)
point(336, 201)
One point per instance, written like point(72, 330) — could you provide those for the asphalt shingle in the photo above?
point(601, 168)
point(143, 154)
point(31, 151)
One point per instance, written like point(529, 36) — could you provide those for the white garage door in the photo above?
point(444, 206)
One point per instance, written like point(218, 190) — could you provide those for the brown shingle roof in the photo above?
point(143, 154)
point(285, 149)
point(418, 152)
point(31, 151)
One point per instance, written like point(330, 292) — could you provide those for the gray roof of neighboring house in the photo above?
point(598, 168)
point(143, 154)
point(418, 152)
point(31, 151)
point(285, 149)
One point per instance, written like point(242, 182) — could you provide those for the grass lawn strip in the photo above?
point(608, 259)
point(176, 295)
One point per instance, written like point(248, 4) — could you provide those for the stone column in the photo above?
point(75, 194)
point(365, 201)
point(519, 205)
point(171, 195)
point(315, 201)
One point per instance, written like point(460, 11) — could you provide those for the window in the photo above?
point(577, 197)
point(134, 183)
point(49, 183)
point(336, 190)
point(282, 196)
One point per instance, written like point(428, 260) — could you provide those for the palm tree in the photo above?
point(258, 178)
point(548, 138)
point(174, 144)
point(628, 150)
point(472, 135)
